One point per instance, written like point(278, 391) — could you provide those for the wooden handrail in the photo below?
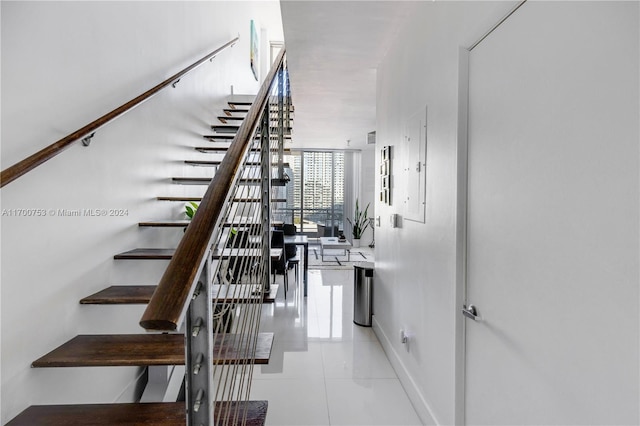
point(171, 298)
point(12, 173)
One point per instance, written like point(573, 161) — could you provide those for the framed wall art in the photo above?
point(385, 175)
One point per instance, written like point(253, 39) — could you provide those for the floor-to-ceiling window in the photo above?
point(315, 195)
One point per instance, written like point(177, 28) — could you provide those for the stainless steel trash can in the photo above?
point(363, 293)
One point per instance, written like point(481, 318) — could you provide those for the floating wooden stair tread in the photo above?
point(235, 200)
point(226, 137)
point(121, 295)
point(166, 223)
point(116, 350)
point(225, 118)
point(207, 181)
point(155, 413)
point(229, 136)
point(233, 128)
point(202, 163)
point(213, 163)
point(258, 200)
point(225, 128)
point(192, 180)
point(146, 253)
point(250, 413)
point(113, 350)
point(218, 149)
point(229, 111)
point(185, 199)
point(141, 294)
point(234, 104)
point(167, 254)
point(228, 117)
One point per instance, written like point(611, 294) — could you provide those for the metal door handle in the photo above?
point(471, 312)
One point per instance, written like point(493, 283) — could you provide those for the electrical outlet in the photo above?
point(403, 337)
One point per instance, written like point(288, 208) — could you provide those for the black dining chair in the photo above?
point(291, 249)
point(280, 266)
point(289, 229)
point(239, 265)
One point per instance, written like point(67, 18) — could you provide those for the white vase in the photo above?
point(356, 243)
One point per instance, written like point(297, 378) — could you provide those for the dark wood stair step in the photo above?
point(113, 350)
point(137, 414)
point(225, 128)
point(167, 254)
point(230, 111)
point(225, 138)
point(225, 118)
point(233, 128)
point(218, 149)
point(202, 163)
point(235, 200)
point(146, 254)
point(214, 163)
point(207, 181)
point(141, 294)
point(234, 104)
point(228, 137)
point(165, 223)
point(228, 117)
point(121, 295)
point(185, 199)
point(239, 105)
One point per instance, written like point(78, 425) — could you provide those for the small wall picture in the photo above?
point(253, 54)
point(385, 175)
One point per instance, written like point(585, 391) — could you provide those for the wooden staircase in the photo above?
point(141, 294)
point(161, 349)
point(120, 350)
point(250, 413)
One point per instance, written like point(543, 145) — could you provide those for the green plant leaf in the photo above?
point(190, 209)
point(360, 221)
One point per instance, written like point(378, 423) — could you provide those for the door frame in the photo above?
point(461, 234)
point(462, 168)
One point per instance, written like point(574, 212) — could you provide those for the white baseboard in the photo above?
point(416, 397)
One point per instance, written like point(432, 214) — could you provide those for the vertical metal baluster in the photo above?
point(281, 124)
point(199, 352)
point(265, 190)
point(287, 104)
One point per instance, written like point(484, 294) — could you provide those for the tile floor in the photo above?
point(324, 369)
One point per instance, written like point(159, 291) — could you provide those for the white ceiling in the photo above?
point(333, 49)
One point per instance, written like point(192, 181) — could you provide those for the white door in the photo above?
point(553, 188)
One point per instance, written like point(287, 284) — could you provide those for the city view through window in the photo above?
point(315, 195)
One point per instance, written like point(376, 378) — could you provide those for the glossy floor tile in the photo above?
point(324, 369)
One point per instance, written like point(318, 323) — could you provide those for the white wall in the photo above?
point(415, 280)
point(63, 65)
point(416, 275)
point(368, 177)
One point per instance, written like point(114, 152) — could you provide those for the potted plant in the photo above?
point(190, 209)
point(359, 224)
